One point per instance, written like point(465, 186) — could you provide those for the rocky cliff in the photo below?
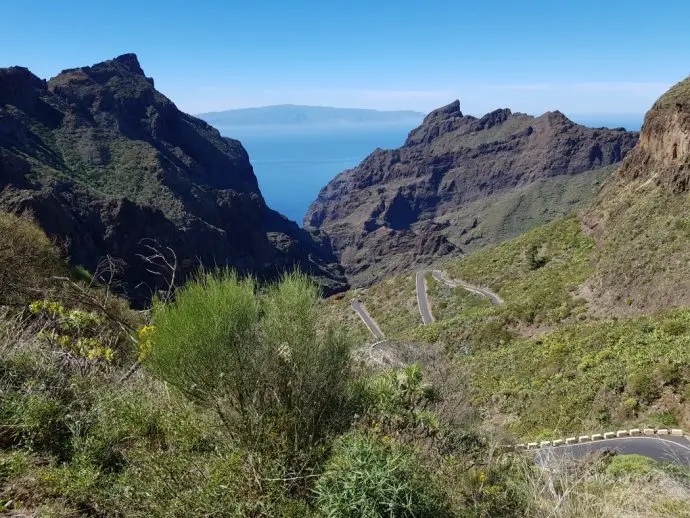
point(107, 163)
point(460, 182)
point(640, 218)
point(664, 151)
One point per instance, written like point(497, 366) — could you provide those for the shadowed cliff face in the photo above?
point(434, 195)
point(105, 161)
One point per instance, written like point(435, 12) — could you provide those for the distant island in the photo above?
point(290, 115)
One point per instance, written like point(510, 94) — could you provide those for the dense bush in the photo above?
point(369, 477)
point(27, 258)
point(630, 465)
point(258, 360)
point(397, 402)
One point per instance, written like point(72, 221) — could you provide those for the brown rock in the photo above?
point(401, 207)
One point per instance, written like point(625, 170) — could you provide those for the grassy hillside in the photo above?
point(537, 274)
point(297, 429)
point(504, 216)
point(544, 363)
point(643, 237)
point(583, 378)
point(448, 302)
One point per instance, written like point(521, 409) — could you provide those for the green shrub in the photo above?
point(79, 273)
point(40, 423)
point(12, 465)
point(532, 257)
point(397, 401)
point(674, 327)
point(630, 465)
point(667, 418)
point(644, 386)
point(27, 258)
point(259, 361)
point(496, 488)
point(86, 334)
point(669, 373)
point(367, 477)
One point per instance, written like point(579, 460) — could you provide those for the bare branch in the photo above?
point(162, 263)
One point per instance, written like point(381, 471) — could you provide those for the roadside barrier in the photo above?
point(632, 432)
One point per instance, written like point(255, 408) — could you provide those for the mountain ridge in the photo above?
point(404, 207)
point(104, 161)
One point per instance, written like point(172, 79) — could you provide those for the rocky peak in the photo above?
point(18, 86)
point(437, 123)
point(130, 62)
point(443, 113)
point(494, 118)
point(122, 75)
point(558, 119)
point(663, 154)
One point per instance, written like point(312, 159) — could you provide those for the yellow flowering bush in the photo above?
point(145, 341)
point(85, 333)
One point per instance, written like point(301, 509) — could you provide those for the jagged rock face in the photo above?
point(664, 151)
point(412, 194)
point(106, 163)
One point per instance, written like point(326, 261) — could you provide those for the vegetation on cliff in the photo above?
point(109, 166)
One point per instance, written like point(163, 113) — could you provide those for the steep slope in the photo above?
point(106, 162)
point(640, 219)
point(459, 183)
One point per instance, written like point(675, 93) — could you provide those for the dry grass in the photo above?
point(587, 490)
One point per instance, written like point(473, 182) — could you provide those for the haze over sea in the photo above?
point(292, 164)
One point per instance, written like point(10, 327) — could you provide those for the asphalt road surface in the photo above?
point(662, 449)
point(423, 300)
point(368, 321)
point(493, 297)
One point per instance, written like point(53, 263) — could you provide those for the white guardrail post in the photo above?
point(632, 432)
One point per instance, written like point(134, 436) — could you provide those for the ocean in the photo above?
point(292, 166)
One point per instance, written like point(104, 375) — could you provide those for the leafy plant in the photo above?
point(397, 401)
point(368, 477)
point(85, 333)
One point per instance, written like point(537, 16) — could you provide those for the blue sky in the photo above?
point(589, 56)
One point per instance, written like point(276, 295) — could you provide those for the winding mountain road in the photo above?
point(366, 318)
point(484, 292)
point(422, 299)
point(666, 449)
